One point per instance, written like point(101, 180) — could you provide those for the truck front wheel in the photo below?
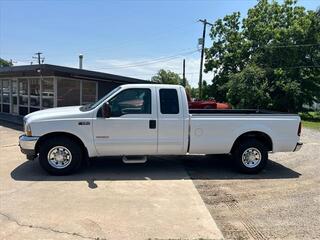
point(250, 156)
point(60, 155)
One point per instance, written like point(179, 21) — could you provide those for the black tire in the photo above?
point(254, 148)
point(67, 144)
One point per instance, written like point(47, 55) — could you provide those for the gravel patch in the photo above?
point(282, 202)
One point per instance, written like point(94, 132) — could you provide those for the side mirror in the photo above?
point(106, 110)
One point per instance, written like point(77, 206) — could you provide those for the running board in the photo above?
point(134, 159)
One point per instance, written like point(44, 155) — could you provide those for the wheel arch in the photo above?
point(260, 136)
point(61, 134)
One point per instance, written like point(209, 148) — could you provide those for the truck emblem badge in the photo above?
point(102, 136)
point(84, 123)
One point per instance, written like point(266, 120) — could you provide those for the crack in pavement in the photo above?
point(49, 229)
point(11, 145)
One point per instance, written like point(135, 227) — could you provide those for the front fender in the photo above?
point(69, 126)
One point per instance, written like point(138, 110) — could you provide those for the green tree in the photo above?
point(167, 77)
point(4, 63)
point(249, 88)
point(206, 90)
point(194, 92)
point(279, 41)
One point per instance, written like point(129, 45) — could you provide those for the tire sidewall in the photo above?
point(71, 145)
point(243, 147)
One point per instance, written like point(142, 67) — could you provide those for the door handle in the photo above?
point(152, 124)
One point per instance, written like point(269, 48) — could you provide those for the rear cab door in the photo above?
point(172, 125)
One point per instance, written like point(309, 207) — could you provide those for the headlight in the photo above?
point(27, 130)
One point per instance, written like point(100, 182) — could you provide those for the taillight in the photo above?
point(299, 129)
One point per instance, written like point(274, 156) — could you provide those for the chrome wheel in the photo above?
point(251, 157)
point(59, 157)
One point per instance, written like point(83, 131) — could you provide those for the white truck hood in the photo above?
point(56, 113)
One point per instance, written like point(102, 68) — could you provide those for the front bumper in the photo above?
point(28, 145)
point(298, 146)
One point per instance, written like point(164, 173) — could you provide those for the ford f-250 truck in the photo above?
point(139, 120)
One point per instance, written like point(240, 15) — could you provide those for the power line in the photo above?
point(152, 61)
point(152, 74)
point(293, 45)
point(292, 67)
point(165, 57)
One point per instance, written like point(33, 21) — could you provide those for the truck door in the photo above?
point(170, 121)
point(132, 127)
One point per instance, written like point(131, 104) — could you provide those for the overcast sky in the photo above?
point(131, 38)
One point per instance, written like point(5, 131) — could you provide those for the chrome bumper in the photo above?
point(298, 146)
point(28, 145)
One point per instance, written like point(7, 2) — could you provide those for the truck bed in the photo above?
point(236, 111)
point(216, 130)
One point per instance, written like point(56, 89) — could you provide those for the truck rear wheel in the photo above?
point(250, 156)
point(60, 155)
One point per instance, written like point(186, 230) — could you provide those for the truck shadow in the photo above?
point(156, 168)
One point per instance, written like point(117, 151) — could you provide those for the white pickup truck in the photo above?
point(139, 120)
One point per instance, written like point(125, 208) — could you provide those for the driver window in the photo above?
point(131, 101)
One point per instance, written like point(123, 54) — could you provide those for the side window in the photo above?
point(169, 103)
point(131, 101)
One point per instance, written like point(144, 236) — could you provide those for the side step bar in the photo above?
point(134, 159)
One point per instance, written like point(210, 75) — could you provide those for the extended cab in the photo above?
point(152, 119)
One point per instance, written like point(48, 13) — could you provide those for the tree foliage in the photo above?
point(249, 88)
point(4, 63)
point(270, 59)
point(169, 77)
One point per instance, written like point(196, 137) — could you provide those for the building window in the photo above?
point(23, 96)
point(34, 94)
point(68, 92)
point(14, 97)
point(88, 92)
point(0, 93)
point(47, 92)
point(6, 96)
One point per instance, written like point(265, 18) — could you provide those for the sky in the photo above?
point(125, 37)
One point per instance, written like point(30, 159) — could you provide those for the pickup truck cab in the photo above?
point(152, 119)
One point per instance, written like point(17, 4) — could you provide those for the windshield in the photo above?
point(91, 106)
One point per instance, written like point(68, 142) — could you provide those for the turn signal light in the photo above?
point(28, 131)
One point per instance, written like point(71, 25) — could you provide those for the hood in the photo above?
point(55, 113)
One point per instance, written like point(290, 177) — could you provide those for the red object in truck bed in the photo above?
point(208, 104)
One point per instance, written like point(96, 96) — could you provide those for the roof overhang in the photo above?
point(55, 70)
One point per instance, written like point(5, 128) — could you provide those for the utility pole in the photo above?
point(184, 82)
point(38, 56)
point(202, 52)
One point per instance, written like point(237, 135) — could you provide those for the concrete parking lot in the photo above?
point(194, 197)
point(108, 200)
